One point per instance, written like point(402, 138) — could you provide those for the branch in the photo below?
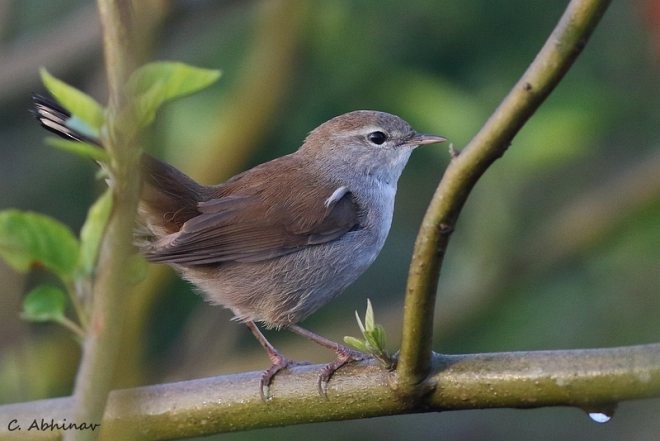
point(116, 18)
point(101, 345)
point(589, 379)
point(553, 61)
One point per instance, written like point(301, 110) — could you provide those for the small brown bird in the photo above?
point(276, 242)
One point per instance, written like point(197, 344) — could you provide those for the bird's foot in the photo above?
point(344, 356)
point(278, 363)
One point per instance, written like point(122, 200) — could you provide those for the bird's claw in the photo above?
point(268, 375)
point(279, 363)
point(344, 356)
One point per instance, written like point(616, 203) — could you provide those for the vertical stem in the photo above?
point(116, 19)
point(101, 346)
point(552, 62)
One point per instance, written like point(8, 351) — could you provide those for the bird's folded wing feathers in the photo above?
point(253, 228)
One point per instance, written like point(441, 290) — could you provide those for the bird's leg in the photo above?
point(344, 355)
point(277, 360)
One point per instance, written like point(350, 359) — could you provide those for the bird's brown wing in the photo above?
point(252, 228)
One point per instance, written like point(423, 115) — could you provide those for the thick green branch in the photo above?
point(561, 49)
point(587, 379)
point(101, 345)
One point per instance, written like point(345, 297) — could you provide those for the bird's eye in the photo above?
point(377, 138)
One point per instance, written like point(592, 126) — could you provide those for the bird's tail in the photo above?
point(57, 120)
point(168, 198)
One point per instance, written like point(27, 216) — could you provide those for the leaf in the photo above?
point(379, 336)
point(92, 232)
point(155, 83)
point(78, 103)
point(359, 322)
point(44, 303)
point(374, 337)
point(147, 104)
point(372, 344)
point(355, 343)
point(369, 321)
point(178, 79)
point(28, 239)
point(79, 148)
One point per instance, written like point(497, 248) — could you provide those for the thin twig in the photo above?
point(557, 55)
point(72, 326)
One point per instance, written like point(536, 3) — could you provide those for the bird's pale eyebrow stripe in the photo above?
point(364, 130)
point(336, 195)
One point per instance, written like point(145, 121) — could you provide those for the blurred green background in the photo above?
point(558, 246)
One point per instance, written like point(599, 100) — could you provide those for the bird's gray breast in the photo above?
point(327, 269)
point(356, 250)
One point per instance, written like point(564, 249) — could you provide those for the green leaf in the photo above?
point(28, 239)
point(359, 322)
point(44, 303)
point(79, 148)
point(178, 79)
point(147, 104)
point(78, 103)
point(369, 321)
point(92, 232)
point(372, 344)
point(374, 337)
point(379, 336)
point(355, 343)
point(155, 83)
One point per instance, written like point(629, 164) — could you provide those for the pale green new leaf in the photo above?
point(356, 343)
point(79, 148)
point(78, 103)
point(146, 104)
point(44, 303)
point(155, 83)
point(379, 336)
point(374, 337)
point(369, 321)
point(371, 341)
point(28, 239)
point(359, 322)
point(92, 232)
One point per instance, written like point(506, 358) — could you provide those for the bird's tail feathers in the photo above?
point(57, 120)
point(168, 198)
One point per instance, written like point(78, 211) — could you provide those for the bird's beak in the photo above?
point(421, 139)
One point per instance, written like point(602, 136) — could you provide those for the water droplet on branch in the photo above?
point(599, 417)
point(601, 414)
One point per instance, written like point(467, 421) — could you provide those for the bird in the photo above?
point(275, 243)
